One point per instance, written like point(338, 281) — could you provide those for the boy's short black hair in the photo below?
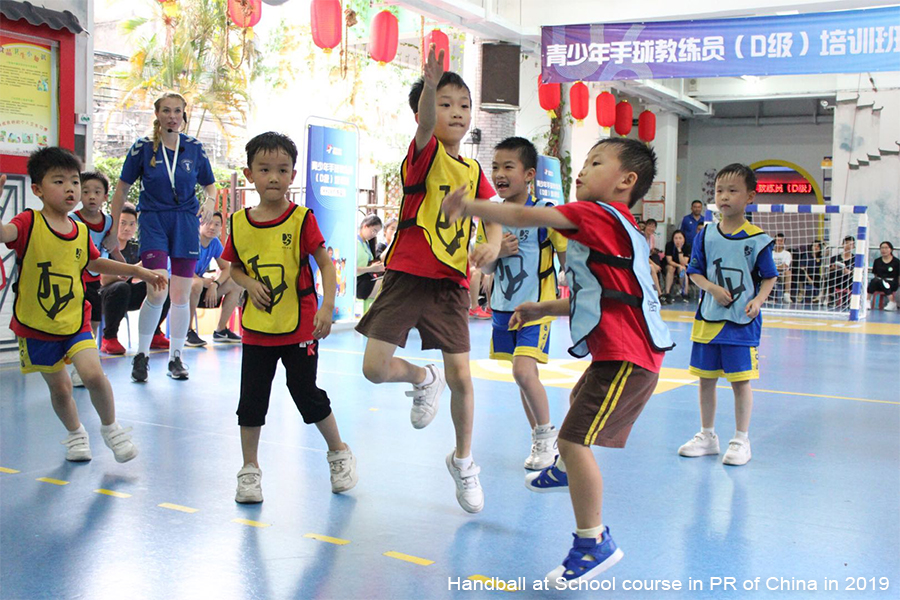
point(849, 238)
point(635, 157)
point(96, 176)
point(220, 215)
point(40, 162)
point(527, 151)
point(129, 209)
point(448, 78)
point(742, 171)
point(271, 141)
point(779, 235)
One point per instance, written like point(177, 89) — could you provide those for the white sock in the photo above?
point(560, 464)
point(80, 429)
point(462, 463)
point(543, 428)
point(593, 532)
point(710, 430)
point(111, 427)
point(179, 321)
point(741, 435)
point(429, 378)
point(147, 323)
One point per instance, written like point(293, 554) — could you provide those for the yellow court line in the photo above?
point(871, 400)
point(374, 409)
point(251, 523)
point(413, 559)
point(498, 582)
point(5, 470)
point(113, 494)
point(53, 481)
point(178, 507)
point(326, 538)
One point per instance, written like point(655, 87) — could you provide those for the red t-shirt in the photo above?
point(412, 253)
point(23, 221)
point(622, 334)
point(310, 240)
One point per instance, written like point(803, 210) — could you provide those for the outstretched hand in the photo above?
point(525, 313)
point(434, 68)
point(454, 203)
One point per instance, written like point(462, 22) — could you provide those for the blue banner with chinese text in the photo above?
point(851, 41)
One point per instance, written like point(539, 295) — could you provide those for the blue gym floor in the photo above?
point(819, 501)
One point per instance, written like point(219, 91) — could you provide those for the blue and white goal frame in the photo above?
point(858, 288)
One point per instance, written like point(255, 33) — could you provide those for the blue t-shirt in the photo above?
point(192, 167)
point(726, 332)
point(212, 251)
point(689, 227)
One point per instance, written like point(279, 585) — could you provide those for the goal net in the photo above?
point(821, 252)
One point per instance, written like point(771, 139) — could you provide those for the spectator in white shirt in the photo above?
point(783, 260)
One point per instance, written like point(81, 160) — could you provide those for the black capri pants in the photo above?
point(258, 365)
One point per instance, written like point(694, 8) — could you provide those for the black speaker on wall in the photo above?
point(500, 77)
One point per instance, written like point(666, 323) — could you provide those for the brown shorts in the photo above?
point(606, 402)
point(438, 308)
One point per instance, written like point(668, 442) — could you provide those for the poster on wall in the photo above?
point(331, 190)
point(548, 180)
point(28, 104)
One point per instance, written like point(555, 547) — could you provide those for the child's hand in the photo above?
point(721, 295)
point(434, 68)
point(157, 280)
point(525, 313)
point(322, 322)
point(509, 245)
point(259, 294)
point(484, 254)
point(454, 204)
point(753, 308)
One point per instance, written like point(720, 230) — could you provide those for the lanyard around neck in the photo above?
point(170, 169)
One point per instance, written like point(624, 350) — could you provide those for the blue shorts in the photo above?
point(177, 233)
point(734, 363)
point(41, 356)
point(528, 341)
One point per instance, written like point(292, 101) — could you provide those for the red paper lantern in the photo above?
point(549, 95)
point(326, 19)
point(647, 126)
point(384, 37)
point(624, 116)
point(441, 42)
point(606, 109)
point(580, 98)
point(245, 13)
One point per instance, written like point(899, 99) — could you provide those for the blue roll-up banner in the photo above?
point(331, 184)
point(548, 180)
point(846, 41)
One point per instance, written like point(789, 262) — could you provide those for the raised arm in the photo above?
point(427, 114)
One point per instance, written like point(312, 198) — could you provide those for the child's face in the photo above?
point(92, 196)
point(272, 174)
point(779, 244)
point(59, 190)
point(454, 114)
point(602, 175)
point(170, 114)
point(127, 226)
point(510, 177)
point(732, 195)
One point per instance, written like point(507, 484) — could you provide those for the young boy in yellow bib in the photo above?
point(524, 272)
point(51, 318)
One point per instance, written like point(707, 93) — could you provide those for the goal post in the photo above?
point(827, 248)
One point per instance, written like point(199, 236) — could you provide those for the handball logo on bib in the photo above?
point(450, 234)
point(272, 276)
point(509, 283)
point(54, 290)
point(730, 279)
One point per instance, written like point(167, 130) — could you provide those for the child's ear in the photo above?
point(752, 196)
point(36, 190)
point(249, 174)
point(529, 175)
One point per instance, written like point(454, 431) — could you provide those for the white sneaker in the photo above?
point(343, 470)
point(77, 447)
point(249, 490)
point(543, 449)
point(76, 378)
point(468, 489)
point(787, 299)
point(426, 399)
point(738, 453)
point(891, 306)
point(701, 445)
point(119, 441)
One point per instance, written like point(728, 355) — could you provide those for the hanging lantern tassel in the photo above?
point(384, 38)
point(647, 126)
point(549, 95)
point(624, 117)
point(326, 19)
point(580, 98)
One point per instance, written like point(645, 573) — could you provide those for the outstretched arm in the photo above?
point(456, 206)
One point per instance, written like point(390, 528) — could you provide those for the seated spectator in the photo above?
point(692, 223)
point(886, 271)
point(368, 268)
point(120, 295)
point(390, 230)
point(213, 291)
point(783, 260)
point(678, 255)
point(656, 264)
point(810, 264)
point(840, 273)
